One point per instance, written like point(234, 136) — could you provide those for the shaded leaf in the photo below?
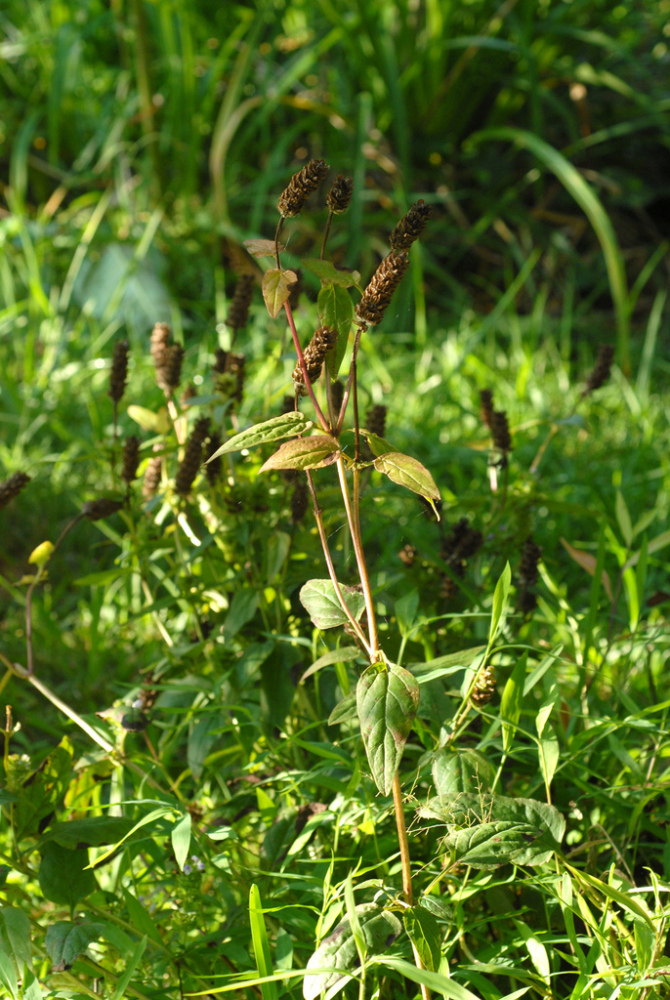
point(511, 701)
point(327, 271)
point(345, 710)
point(342, 655)
point(408, 472)
point(286, 425)
point(336, 309)
point(93, 832)
point(242, 609)
point(263, 248)
point(314, 452)
point(338, 951)
point(458, 771)
point(321, 603)
point(15, 936)
point(387, 700)
point(588, 562)
point(64, 876)
point(277, 288)
point(65, 941)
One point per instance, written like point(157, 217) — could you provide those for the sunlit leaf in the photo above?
point(314, 452)
point(387, 701)
point(408, 472)
point(327, 271)
point(277, 288)
point(323, 606)
point(263, 248)
point(286, 425)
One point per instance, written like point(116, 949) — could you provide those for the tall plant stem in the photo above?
point(363, 574)
point(405, 866)
point(301, 358)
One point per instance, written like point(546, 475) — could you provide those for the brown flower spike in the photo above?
point(301, 186)
point(339, 196)
point(410, 227)
point(119, 372)
point(12, 487)
point(383, 283)
point(324, 340)
point(601, 370)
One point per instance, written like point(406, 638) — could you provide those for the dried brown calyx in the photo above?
point(119, 370)
point(130, 458)
point(238, 314)
point(324, 339)
point(190, 463)
point(410, 227)
point(500, 431)
point(300, 187)
point(94, 510)
point(152, 477)
point(383, 283)
point(12, 487)
point(213, 466)
point(339, 196)
point(486, 407)
point(601, 370)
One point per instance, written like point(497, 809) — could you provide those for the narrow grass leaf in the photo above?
point(424, 977)
point(127, 974)
point(343, 655)
point(500, 598)
point(511, 702)
point(261, 944)
point(337, 954)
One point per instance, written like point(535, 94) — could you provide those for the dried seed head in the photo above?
point(486, 407)
point(219, 365)
point(324, 339)
point(601, 370)
point(376, 420)
point(299, 501)
point(160, 335)
point(213, 468)
point(484, 688)
point(500, 431)
point(288, 404)
point(339, 196)
point(187, 395)
point(119, 372)
point(12, 487)
point(190, 463)
point(238, 313)
point(130, 459)
point(94, 510)
point(300, 187)
point(407, 555)
point(530, 557)
point(383, 284)
point(152, 477)
point(169, 373)
point(410, 227)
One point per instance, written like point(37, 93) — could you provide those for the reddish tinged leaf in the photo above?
point(304, 453)
point(408, 472)
point(263, 248)
point(277, 288)
point(588, 562)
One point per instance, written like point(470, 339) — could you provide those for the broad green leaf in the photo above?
point(500, 598)
point(125, 977)
point(378, 445)
point(387, 700)
point(263, 248)
point(277, 288)
point(327, 271)
point(548, 754)
point(512, 701)
point(64, 875)
point(424, 932)
point(65, 941)
point(406, 608)
point(30, 988)
point(15, 936)
point(8, 975)
point(338, 954)
point(407, 471)
point(286, 425)
point(457, 771)
point(242, 609)
point(489, 845)
point(342, 655)
point(320, 601)
point(181, 839)
point(261, 944)
point(336, 309)
point(93, 831)
point(314, 452)
point(345, 710)
point(43, 790)
point(158, 423)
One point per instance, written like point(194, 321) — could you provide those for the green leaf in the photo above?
point(261, 944)
point(320, 601)
point(314, 452)
point(336, 309)
point(345, 710)
point(406, 608)
point(64, 876)
point(157, 423)
point(181, 839)
point(408, 472)
point(65, 941)
point(15, 936)
point(387, 701)
point(457, 771)
point(623, 519)
point(548, 754)
point(127, 975)
point(93, 832)
point(512, 700)
point(30, 988)
point(433, 980)
point(444, 666)
point(242, 609)
point(378, 445)
point(327, 271)
point(500, 598)
point(423, 931)
point(489, 845)
point(342, 655)
point(286, 425)
point(337, 953)
point(277, 288)
point(43, 790)
point(8, 975)
point(140, 919)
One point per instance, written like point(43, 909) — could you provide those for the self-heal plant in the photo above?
point(387, 695)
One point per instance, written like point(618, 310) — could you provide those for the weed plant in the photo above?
point(401, 778)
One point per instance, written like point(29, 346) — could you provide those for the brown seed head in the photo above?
point(168, 374)
point(152, 477)
point(160, 335)
point(337, 390)
point(190, 463)
point(12, 487)
point(119, 372)
point(324, 339)
point(213, 468)
point(484, 688)
point(383, 284)
point(94, 510)
point(601, 370)
point(292, 199)
point(130, 459)
point(376, 420)
point(238, 314)
point(500, 431)
point(410, 227)
point(486, 407)
point(339, 196)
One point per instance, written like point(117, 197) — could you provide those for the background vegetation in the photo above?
point(175, 733)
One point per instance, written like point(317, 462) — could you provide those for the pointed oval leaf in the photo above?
point(489, 845)
point(336, 309)
point(387, 700)
point(327, 271)
point(321, 603)
point(64, 875)
point(345, 710)
point(408, 472)
point(148, 420)
point(378, 445)
point(286, 425)
point(314, 452)
point(277, 288)
point(458, 771)
point(263, 248)
point(338, 951)
point(65, 941)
